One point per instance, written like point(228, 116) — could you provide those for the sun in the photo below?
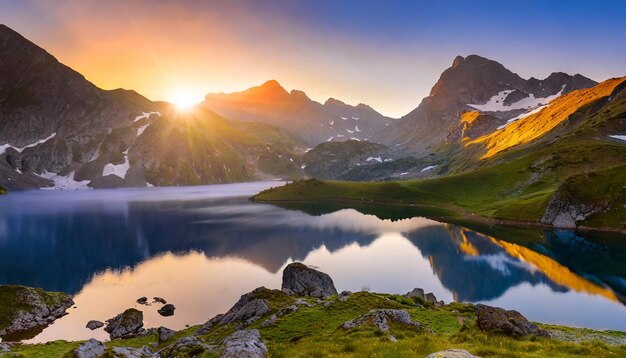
point(185, 99)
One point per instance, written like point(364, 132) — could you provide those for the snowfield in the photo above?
point(66, 182)
point(118, 170)
point(4, 147)
point(496, 103)
point(620, 137)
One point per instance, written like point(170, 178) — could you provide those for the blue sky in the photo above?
point(384, 53)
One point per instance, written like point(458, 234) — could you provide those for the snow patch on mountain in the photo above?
point(496, 103)
point(378, 159)
point(514, 119)
point(141, 129)
point(620, 137)
point(430, 167)
point(146, 115)
point(4, 147)
point(118, 170)
point(64, 182)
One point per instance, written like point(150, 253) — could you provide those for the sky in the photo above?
point(385, 53)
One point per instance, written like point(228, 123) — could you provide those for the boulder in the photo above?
point(185, 347)
point(247, 310)
point(167, 310)
point(416, 292)
point(4, 348)
point(298, 279)
point(301, 302)
point(93, 324)
point(510, 323)
point(31, 309)
point(92, 348)
point(430, 297)
point(165, 334)
point(127, 352)
point(452, 353)
point(381, 317)
point(142, 300)
point(273, 318)
point(126, 324)
point(244, 344)
point(159, 300)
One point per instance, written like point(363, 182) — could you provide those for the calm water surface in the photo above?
point(200, 248)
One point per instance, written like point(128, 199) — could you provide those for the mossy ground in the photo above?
point(316, 332)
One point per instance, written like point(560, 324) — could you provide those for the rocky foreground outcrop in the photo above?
point(126, 324)
point(27, 309)
point(301, 280)
point(387, 313)
point(510, 323)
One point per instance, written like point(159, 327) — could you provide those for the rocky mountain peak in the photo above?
point(457, 61)
point(333, 102)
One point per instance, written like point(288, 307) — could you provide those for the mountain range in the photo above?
point(58, 130)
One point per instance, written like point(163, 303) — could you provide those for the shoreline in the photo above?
point(463, 218)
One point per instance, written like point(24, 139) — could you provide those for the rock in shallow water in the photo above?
point(510, 323)
point(126, 324)
point(93, 324)
point(244, 344)
point(301, 280)
point(167, 310)
point(92, 348)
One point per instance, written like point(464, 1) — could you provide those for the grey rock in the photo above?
point(4, 348)
point(244, 344)
point(165, 334)
point(381, 317)
point(273, 318)
point(565, 209)
point(93, 324)
point(510, 323)
point(430, 297)
point(127, 352)
point(416, 292)
point(328, 303)
point(392, 338)
point(298, 279)
point(270, 321)
point(183, 346)
point(345, 293)
point(92, 348)
point(302, 302)
point(452, 353)
point(249, 311)
point(36, 310)
point(126, 324)
point(167, 310)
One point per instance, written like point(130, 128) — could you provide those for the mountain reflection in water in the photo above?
point(201, 251)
